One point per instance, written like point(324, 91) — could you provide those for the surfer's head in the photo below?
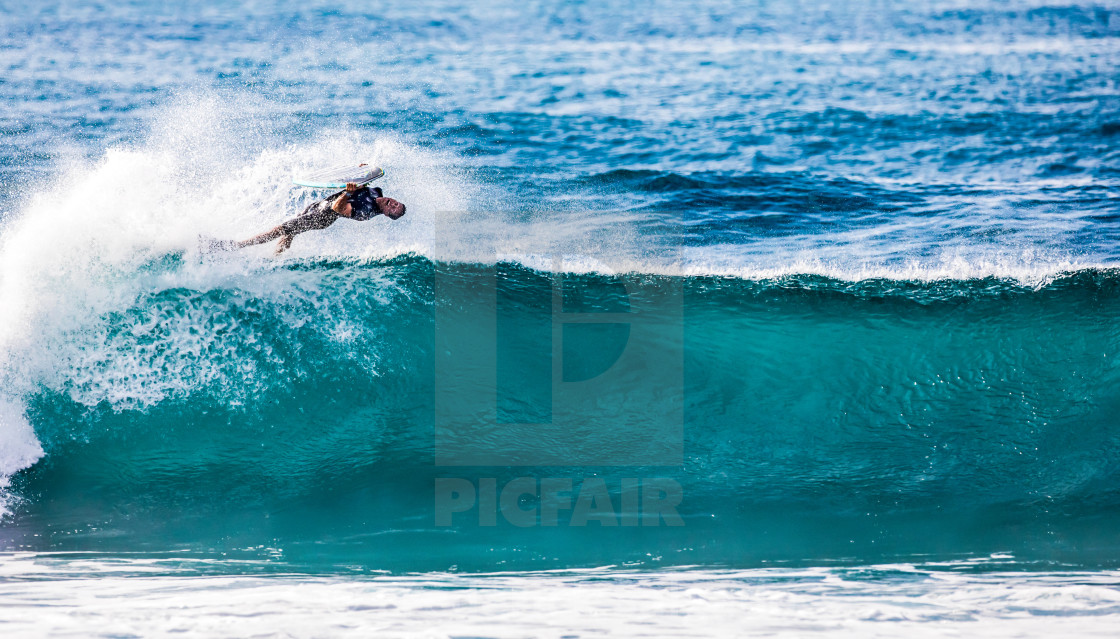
point(390, 207)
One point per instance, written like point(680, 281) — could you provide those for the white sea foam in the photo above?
point(18, 447)
point(139, 597)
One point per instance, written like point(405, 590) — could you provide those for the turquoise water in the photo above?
point(839, 281)
point(823, 421)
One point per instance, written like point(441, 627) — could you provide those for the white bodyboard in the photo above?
point(336, 177)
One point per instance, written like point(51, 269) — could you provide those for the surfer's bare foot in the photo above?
point(284, 244)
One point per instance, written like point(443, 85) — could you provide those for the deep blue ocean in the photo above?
point(841, 278)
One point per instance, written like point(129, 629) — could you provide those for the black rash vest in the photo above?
point(363, 203)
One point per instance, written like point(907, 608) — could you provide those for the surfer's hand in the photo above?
point(351, 187)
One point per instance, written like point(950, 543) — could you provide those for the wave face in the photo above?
point(822, 420)
point(842, 284)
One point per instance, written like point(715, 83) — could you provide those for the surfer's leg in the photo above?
point(302, 222)
point(284, 244)
point(262, 238)
point(315, 217)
